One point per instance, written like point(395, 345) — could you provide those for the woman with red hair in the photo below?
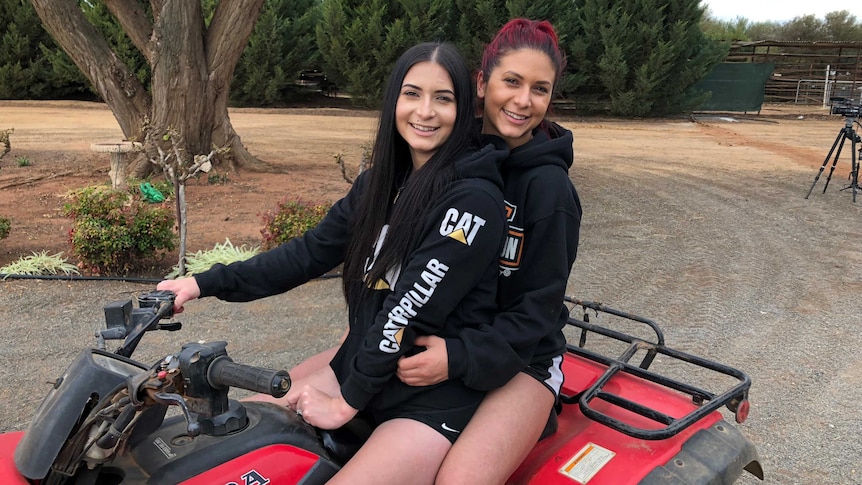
point(518, 356)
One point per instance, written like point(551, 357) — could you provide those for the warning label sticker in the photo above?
point(586, 463)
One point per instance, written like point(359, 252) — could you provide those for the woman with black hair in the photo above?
point(419, 235)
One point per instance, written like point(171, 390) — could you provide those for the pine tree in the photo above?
point(352, 39)
point(360, 41)
point(282, 45)
point(26, 51)
point(642, 56)
point(477, 22)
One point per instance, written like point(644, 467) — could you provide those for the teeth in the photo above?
point(516, 116)
point(422, 128)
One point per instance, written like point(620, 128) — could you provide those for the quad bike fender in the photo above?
point(718, 454)
point(8, 472)
point(585, 451)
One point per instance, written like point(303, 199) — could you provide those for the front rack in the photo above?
point(735, 398)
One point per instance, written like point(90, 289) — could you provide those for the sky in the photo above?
point(779, 10)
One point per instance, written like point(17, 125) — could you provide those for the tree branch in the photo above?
point(118, 86)
point(229, 31)
point(179, 73)
point(135, 23)
point(226, 38)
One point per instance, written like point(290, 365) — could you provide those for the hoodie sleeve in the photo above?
point(458, 249)
point(290, 264)
point(488, 356)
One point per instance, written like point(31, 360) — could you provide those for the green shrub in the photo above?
point(22, 161)
point(115, 231)
point(290, 219)
point(225, 253)
point(5, 226)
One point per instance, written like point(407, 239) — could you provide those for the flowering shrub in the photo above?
point(289, 220)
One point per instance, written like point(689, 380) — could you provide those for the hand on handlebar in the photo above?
point(185, 289)
point(322, 410)
point(323, 380)
point(428, 367)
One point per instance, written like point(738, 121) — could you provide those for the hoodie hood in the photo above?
point(485, 163)
point(551, 145)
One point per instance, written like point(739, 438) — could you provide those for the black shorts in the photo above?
point(549, 372)
point(450, 420)
point(447, 421)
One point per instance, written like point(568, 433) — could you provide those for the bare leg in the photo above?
point(317, 361)
point(500, 435)
point(399, 451)
point(313, 364)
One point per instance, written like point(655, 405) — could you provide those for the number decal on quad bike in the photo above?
point(251, 478)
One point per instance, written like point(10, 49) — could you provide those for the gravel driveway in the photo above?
point(720, 247)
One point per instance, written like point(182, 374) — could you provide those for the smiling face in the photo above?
point(516, 95)
point(426, 110)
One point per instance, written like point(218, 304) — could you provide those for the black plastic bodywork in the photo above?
point(716, 455)
point(90, 378)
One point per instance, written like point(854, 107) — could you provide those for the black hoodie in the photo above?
point(544, 215)
point(448, 280)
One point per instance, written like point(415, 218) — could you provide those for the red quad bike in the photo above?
point(105, 420)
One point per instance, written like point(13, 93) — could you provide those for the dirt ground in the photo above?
point(701, 224)
point(56, 137)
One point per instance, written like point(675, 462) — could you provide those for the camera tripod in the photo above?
point(846, 133)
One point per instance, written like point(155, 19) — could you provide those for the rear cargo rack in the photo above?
point(735, 398)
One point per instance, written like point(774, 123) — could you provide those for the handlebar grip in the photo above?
point(223, 372)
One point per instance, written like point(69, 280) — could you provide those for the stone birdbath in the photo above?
point(118, 152)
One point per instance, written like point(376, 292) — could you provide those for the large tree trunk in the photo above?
point(192, 68)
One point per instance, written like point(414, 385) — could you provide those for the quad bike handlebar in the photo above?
point(223, 372)
point(128, 323)
point(196, 379)
point(105, 398)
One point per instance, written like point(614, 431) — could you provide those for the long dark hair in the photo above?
point(391, 164)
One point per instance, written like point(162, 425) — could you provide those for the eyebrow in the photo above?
point(519, 76)
point(408, 85)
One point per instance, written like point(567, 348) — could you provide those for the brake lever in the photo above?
point(193, 428)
